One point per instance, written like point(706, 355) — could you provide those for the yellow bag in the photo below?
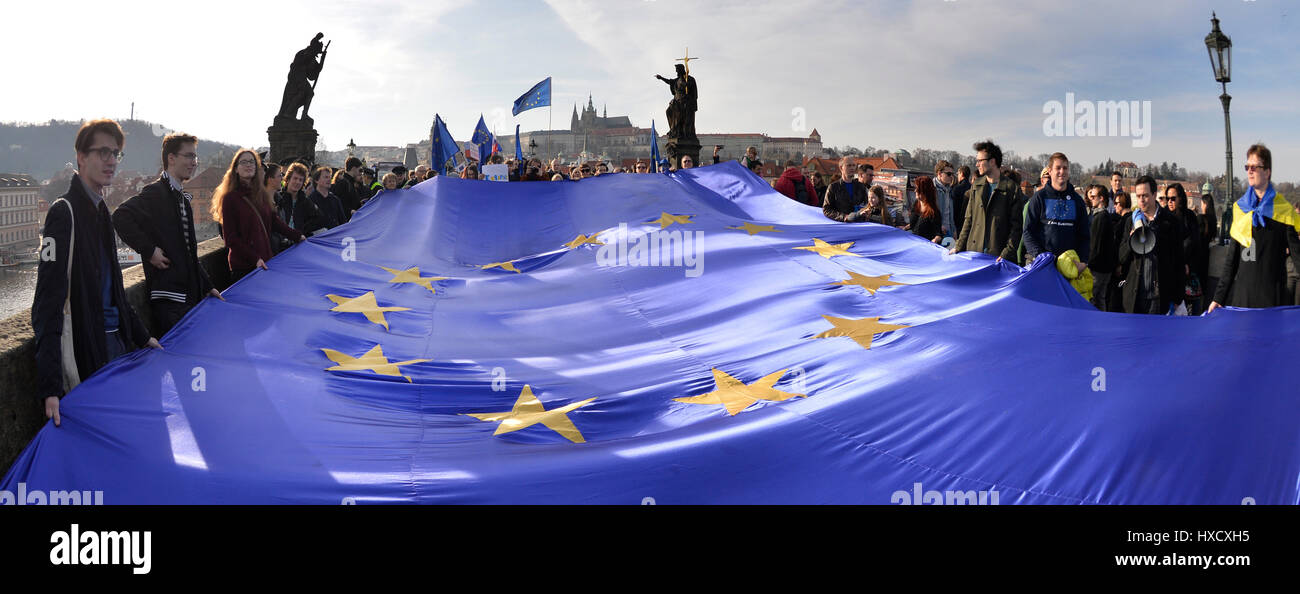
point(1068, 265)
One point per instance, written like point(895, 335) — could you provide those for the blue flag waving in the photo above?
point(485, 141)
point(654, 148)
point(694, 337)
point(443, 146)
point(538, 96)
point(519, 153)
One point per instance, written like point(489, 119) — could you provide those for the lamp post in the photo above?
point(1220, 48)
point(352, 147)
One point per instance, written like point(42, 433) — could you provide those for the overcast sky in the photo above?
point(889, 74)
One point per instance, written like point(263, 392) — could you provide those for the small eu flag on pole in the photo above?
point(443, 147)
point(538, 96)
point(483, 138)
point(654, 148)
point(519, 152)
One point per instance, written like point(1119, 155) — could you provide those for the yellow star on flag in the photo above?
point(584, 240)
point(666, 219)
point(365, 305)
point(374, 360)
point(528, 411)
point(870, 283)
point(751, 228)
point(412, 275)
point(508, 265)
point(736, 395)
point(861, 331)
point(826, 250)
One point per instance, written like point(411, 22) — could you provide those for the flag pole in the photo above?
point(550, 131)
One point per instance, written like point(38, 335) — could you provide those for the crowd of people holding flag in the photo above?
point(1146, 253)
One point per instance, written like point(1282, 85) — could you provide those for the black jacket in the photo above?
point(927, 227)
point(300, 213)
point(1259, 278)
point(152, 219)
point(346, 189)
point(1102, 249)
point(330, 207)
point(94, 241)
point(839, 205)
point(958, 195)
point(1168, 264)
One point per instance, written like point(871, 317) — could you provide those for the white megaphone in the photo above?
point(1143, 238)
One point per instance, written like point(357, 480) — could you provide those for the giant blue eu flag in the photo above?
point(538, 96)
point(692, 337)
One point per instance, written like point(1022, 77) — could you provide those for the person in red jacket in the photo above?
point(789, 184)
point(246, 215)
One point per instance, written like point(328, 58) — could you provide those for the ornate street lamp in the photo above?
point(352, 147)
point(1220, 48)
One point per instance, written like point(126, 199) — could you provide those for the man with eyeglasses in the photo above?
point(1264, 229)
point(80, 315)
point(943, 185)
point(159, 224)
point(994, 211)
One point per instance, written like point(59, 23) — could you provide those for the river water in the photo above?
point(17, 285)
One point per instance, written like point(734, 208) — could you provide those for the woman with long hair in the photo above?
point(1208, 223)
point(926, 220)
point(1176, 202)
point(247, 216)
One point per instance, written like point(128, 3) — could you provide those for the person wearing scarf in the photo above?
point(1264, 229)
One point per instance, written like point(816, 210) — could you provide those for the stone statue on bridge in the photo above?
point(303, 72)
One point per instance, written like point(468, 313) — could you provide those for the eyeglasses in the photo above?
point(243, 162)
point(1252, 168)
point(189, 156)
point(104, 153)
point(982, 160)
point(945, 173)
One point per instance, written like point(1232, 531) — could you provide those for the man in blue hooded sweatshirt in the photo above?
point(1057, 219)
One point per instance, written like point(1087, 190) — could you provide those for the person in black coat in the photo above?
point(345, 187)
point(1264, 230)
point(159, 224)
point(1208, 224)
point(958, 195)
point(329, 204)
point(1102, 252)
point(1155, 280)
point(845, 196)
point(927, 221)
point(293, 205)
point(79, 267)
point(1176, 201)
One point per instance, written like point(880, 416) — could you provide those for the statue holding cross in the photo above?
point(681, 110)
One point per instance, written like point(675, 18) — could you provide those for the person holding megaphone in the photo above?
point(1153, 253)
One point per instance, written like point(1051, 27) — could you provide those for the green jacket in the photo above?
point(993, 223)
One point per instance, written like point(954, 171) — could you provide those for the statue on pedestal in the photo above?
point(682, 140)
point(293, 138)
point(681, 110)
point(303, 72)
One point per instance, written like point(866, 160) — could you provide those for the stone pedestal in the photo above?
point(292, 139)
point(678, 148)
